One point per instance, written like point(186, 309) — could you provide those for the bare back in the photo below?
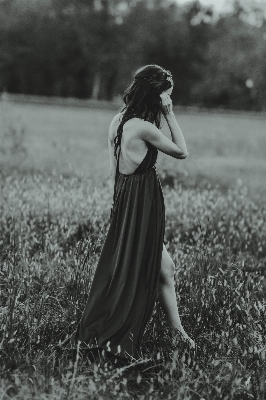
point(133, 148)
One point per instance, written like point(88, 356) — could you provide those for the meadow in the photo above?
point(54, 215)
point(223, 148)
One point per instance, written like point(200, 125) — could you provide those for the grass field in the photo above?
point(54, 214)
point(222, 148)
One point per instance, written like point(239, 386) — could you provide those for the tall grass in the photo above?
point(52, 231)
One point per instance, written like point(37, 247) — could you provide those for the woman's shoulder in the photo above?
point(138, 124)
point(117, 118)
point(114, 125)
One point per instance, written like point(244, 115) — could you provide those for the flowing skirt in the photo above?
point(125, 285)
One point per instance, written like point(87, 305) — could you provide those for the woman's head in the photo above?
point(159, 80)
point(142, 97)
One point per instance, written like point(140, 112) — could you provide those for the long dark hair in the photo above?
point(142, 97)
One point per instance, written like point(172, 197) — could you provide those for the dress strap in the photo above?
point(116, 178)
point(117, 163)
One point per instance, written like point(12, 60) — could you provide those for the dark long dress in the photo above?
point(125, 285)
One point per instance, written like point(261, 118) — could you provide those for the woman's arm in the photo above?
point(150, 133)
point(176, 133)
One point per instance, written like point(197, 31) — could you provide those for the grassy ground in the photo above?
point(53, 222)
point(222, 148)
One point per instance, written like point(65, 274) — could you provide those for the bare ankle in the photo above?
point(175, 328)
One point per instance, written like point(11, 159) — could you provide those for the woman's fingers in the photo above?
point(166, 102)
point(166, 99)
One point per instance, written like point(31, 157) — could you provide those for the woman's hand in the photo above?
point(167, 106)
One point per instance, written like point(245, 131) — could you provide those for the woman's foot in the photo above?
point(181, 333)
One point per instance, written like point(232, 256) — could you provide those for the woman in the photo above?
point(134, 267)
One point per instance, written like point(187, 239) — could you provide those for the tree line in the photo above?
point(90, 48)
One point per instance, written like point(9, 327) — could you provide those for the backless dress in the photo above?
point(125, 284)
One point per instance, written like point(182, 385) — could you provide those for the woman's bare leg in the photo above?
point(167, 296)
point(167, 300)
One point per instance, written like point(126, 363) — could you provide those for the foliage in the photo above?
point(52, 231)
point(90, 48)
point(232, 78)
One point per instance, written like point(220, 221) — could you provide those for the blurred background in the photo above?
point(89, 48)
point(64, 65)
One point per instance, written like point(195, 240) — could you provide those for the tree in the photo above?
point(90, 48)
point(234, 58)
